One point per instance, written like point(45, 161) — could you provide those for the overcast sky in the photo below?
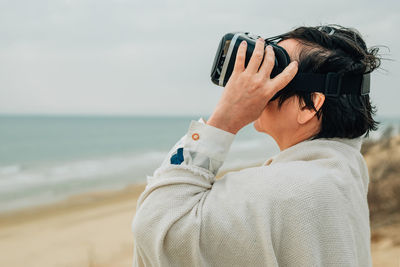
point(155, 57)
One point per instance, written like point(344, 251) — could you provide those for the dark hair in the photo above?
point(344, 51)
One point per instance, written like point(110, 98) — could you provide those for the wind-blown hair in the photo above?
point(344, 51)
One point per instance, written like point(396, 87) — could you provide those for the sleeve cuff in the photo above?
point(202, 150)
point(208, 140)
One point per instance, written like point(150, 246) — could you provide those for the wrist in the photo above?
point(223, 123)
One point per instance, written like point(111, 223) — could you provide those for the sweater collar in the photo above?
point(314, 149)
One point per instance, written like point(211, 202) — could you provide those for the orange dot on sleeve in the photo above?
point(195, 136)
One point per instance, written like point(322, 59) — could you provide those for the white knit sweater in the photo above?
point(306, 206)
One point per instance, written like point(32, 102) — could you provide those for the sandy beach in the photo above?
point(95, 230)
point(86, 230)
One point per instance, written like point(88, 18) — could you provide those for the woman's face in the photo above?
point(277, 121)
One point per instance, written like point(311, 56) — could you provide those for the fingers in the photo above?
point(281, 80)
point(256, 57)
point(268, 63)
point(240, 57)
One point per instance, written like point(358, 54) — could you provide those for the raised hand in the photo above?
point(249, 89)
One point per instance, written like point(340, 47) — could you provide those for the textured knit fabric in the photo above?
point(306, 206)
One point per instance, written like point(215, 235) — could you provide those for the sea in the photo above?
point(44, 159)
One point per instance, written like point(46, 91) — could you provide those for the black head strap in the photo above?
point(331, 84)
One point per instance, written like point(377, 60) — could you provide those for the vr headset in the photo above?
point(331, 84)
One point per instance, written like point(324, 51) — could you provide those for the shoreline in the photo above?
point(72, 203)
point(83, 200)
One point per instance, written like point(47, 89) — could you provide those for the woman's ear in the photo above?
point(306, 114)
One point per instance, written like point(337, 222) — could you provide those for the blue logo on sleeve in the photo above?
point(177, 158)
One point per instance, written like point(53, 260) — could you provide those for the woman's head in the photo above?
point(331, 48)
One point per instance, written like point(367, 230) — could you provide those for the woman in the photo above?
point(306, 206)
